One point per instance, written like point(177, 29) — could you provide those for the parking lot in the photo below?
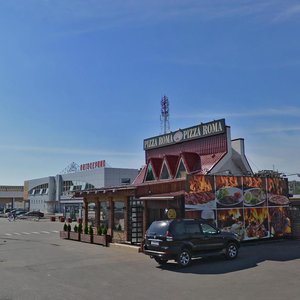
point(36, 264)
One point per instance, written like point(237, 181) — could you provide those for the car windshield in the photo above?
point(158, 228)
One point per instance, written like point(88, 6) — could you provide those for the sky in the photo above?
point(82, 80)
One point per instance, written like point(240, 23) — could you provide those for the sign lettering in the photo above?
point(182, 135)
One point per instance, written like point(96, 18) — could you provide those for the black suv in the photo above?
point(182, 240)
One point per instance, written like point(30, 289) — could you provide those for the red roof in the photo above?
point(210, 160)
point(171, 161)
point(192, 161)
point(156, 165)
point(140, 177)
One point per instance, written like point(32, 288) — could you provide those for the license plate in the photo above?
point(154, 243)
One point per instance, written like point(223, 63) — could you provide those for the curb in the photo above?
point(125, 246)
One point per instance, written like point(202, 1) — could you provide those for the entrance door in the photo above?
point(135, 228)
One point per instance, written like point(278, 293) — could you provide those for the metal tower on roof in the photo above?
point(71, 168)
point(164, 117)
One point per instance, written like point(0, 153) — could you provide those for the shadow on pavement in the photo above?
point(250, 255)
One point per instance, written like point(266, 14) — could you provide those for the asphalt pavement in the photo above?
point(36, 264)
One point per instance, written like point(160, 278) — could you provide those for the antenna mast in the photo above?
point(164, 117)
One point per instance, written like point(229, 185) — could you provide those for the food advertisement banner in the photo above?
point(252, 207)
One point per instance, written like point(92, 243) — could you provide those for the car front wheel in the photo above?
point(231, 251)
point(184, 258)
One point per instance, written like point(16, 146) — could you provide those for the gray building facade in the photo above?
point(54, 194)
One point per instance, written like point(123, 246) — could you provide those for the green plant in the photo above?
point(65, 227)
point(104, 230)
point(86, 228)
point(91, 230)
point(119, 227)
point(99, 230)
point(69, 227)
point(80, 228)
point(75, 228)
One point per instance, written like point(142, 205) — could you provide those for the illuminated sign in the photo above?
point(92, 165)
point(182, 135)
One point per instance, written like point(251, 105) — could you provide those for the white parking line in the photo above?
point(34, 232)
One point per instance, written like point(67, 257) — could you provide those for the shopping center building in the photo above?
point(54, 194)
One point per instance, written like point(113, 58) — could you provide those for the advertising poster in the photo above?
point(277, 192)
point(254, 191)
point(280, 223)
point(252, 207)
point(229, 191)
point(201, 192)
point(200, 201)
point(231, 220)
point(256, 223)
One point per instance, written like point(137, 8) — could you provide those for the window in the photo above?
point(150, 175)
point(179, 228)
point(70, 186)
point(192, 228)
point(125, 181)
point(119, 215)
point(104, 213)
point(39, 190)
point(181, 172)
point(207, 229)
point(164, 173)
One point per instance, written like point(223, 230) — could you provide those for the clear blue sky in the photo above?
point(82, 80)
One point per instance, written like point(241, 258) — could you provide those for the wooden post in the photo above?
point(86, 211)
point(126, 209)
point(97, 215)
point(111, 216)
point(145, 217)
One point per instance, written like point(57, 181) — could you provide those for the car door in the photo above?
point(194, 235)
point(212, 239)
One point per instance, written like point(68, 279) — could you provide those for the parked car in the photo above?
point(33, 213)
point(182, 240)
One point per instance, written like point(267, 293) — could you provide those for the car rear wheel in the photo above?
point(161, 261)
point(231, 251)
point(184, 258)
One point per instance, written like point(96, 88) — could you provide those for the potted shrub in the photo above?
point(86, 237)
point(75, 235)
point(64, 234)
point(101, 238)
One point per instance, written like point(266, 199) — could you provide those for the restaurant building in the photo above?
point(197, 172)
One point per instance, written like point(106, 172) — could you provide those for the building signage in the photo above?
point(92, 165)
point(182, 135)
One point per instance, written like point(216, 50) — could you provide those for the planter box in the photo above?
point(119, 236)
point(75, 236)
point(87, 238)
point(102, 239)
point(64, 234)
point(53, 219)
